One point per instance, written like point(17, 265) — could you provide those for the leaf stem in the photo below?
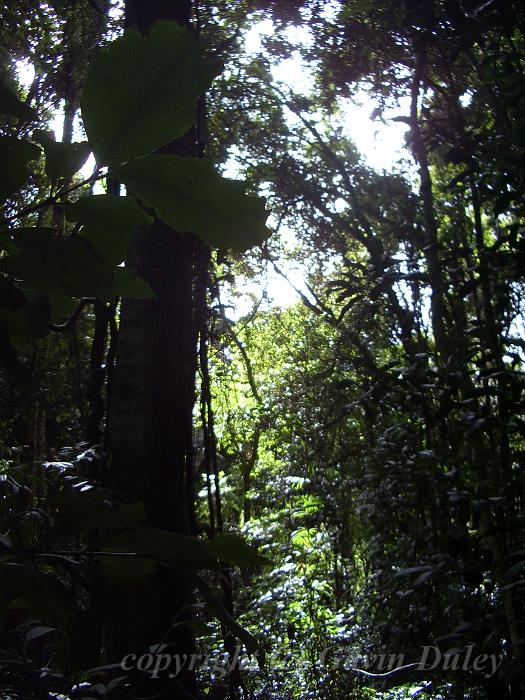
point(53, 199)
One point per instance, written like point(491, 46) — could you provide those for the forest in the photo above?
point(262, 407)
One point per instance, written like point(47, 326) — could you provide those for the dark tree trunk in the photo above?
point(154, 385)
point(97, 375)
point(153, 393)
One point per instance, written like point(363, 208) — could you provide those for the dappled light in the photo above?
point(262, 412)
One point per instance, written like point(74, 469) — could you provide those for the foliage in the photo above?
point(48, 580)
point(415, 411)
point(359, 454)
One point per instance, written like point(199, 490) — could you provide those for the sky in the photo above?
point(381, 144)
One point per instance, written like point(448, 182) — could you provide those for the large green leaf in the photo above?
point(91, 510)
point(29, 321)
point(15, 156)
point(108, 222)
point(61, 265)
point(233, 549)
point(191, 197)
point(12, 106)
point(10, 296)
point(141, 92)
point(61, 307)
point(62, 159)
point(217, 608)
point(46, 597)
point(23, 315)
point(160, 544)
point(66, 266)
point(127, 284)
point(120, 571)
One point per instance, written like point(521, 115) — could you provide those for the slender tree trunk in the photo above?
point(435, 272)
point(97, 375)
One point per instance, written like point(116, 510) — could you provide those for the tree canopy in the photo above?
point(315, 499)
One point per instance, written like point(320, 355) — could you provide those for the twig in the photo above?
point(61, 327)
point(53, 199)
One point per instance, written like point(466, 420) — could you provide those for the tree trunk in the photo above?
point(153, 393)
point(438, 306)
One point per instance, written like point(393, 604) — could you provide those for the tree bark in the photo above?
point(97, 375)
point(438, 306)
point(151, 412)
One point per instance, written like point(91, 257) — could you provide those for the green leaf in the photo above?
point(62, 159)
point(233, 549)
point(198, 626)
point(108, 223)
point(61, 308)
point(15, 156)
point(126, 283)
point(160, 544)
point(121, 571)
point(217, 608)
point(10, 296)
point(27, 322)
point(46, 597)
point(4, 611)
point(38, 632)
point(191, 197)
point(141, 92)
point(91, 510)
point(67, 267)
point(12, 106)
point(62, 266)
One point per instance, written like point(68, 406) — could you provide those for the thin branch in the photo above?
point(95, 6)
point(62, 327)
point(244, 354)
point(388, 673)
point(53, 199)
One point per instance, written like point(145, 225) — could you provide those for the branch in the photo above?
point(335, 160)
point(53, 199)
point(244, 354)
point(95, 6)
point(388, 673)
point(62, 327)
point(309, 304)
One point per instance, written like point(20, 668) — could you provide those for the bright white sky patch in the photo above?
point(254, 36)
point(380, 142)
point(25, 73)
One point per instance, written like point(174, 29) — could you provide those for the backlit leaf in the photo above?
point(12, 106)
point(142, 90)
point(120, 571)
point(233, 549)
point(127, 284)
point(61, 265)
point(108, 222)
point(15, 156)
point(191, 197)
point(90, 510)
point(62, 159)
point(46, 597)
point(67, 267)
point(160, 544)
